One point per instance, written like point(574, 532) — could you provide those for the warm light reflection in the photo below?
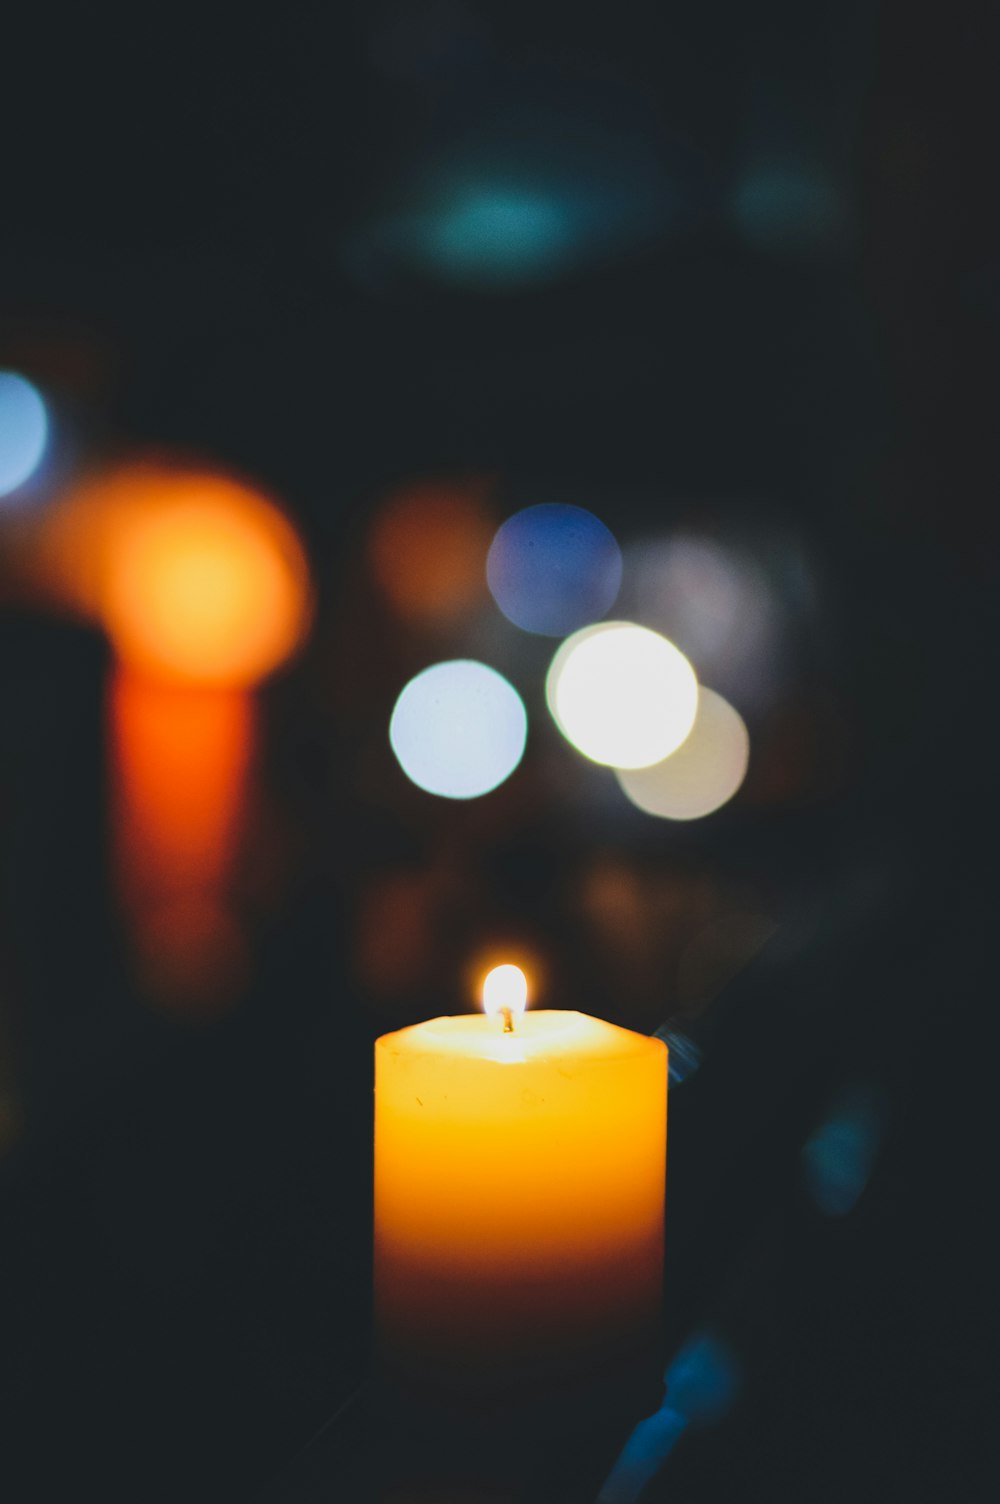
point(623, 695)
point(552, 568)
point(704, 772)
point(428, 548)
point(458, 729)
point(24, 431)
point(196, 577)
point(505, 990)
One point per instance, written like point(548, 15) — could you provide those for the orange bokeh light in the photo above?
point(428, 548)
point(195, 576)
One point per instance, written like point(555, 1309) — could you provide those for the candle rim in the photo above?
point(544, 1030)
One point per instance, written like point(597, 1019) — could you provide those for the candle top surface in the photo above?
point(538, 1034)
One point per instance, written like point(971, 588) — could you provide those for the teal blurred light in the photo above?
point(790, 207)
point(838, 1158)
point(520, 194)
point(495, 233)
point(702, 1383)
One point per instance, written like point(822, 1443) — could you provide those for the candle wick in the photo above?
point(508, 1020)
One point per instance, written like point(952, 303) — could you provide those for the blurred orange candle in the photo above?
point(182, 755)
point(519, 1194)
point(202, 586)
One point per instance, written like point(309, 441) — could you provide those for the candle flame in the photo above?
point(505, 991)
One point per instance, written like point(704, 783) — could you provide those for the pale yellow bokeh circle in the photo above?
point(705, 771)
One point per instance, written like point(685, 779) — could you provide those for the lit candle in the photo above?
point(519, 1190)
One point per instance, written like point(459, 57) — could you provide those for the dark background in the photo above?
point(194, 253)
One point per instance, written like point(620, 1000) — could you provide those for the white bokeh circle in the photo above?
point(458, 729)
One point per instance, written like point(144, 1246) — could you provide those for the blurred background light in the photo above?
point(623, 695)
point(508, 227)
point(703, 1379)
point(496, 232)
point(458, 729)
point(684, 1056)
point(206, 584)
point(181, 760)
point(428, 547)
point(553, 568)
point(838, 1158)
point(24, 431)
point(643, 1455)
point(715, 601)
point(702, 1383)
point(197, 577)
point(402, 903)
point(704, 772)
point(519, 195)
point(192, 955)
point(788, 206)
